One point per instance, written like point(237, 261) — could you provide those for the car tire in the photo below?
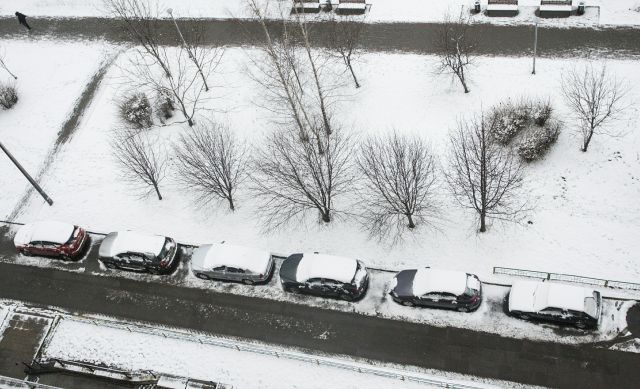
point(290, 289)
point(203, 276)
point(346, 297)
point(26, 253)
point(65, 257)
point(408, 303)
point(462, 309)
point(248, 282)
point(110, 265)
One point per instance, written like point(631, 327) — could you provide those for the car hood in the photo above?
point(404, 283)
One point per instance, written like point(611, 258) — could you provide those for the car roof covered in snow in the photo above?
point(534, 296)
point(209, 256)
point(428, 280)
point(331, 267)
point(47, 231)
point(130, 241)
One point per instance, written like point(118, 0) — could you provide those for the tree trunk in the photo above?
point(155, 186)
point(483, 224)
point(326, 217)
point(586, 141)
point(411, 223)
point(355, 79)
point(231, 205)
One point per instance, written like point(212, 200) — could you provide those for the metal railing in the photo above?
point(272, 351)
point(8, 382)
point(566, 278)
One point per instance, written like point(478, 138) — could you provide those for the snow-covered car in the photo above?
point(324, 275)
point(551, 301)
point(223, 261)
point(51, 239)
point(435, 288)
point(129, 250)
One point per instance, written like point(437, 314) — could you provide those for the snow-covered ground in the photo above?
point(51, 77)
point(599, 12)
point(584, 221)
point(205, 357)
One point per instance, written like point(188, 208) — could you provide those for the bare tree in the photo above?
point(595, 97)
point(141, 21)
point(291, 177)
point(4, 65)
point(211, 162)
point(483, 175)
point(400, 184)
point(142, 160)
point(345, 37)
point(455, 46)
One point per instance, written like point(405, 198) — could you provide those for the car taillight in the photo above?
point(475, 298)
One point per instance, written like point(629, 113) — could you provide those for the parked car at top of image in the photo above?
point(129, 250)
point(324, 275)
point(555, 302)
point(223, 261)
point(51, 239)
point(435, 288)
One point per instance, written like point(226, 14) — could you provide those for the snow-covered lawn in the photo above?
point(203, 357)
point(599, 12)
point(585, 221)
point(51, 77)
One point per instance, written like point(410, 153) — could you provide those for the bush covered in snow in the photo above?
point(537, 140)
point(164, 105)
point(137, 110)
point(541, 112)
point(8, 96)
point(508, 120)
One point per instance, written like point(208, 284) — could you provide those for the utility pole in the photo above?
point(535, 46)
point(188, 48)
point(24, 172)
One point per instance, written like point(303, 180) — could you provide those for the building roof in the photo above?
point(313, 265)
point(123, 241)
point(428, 280)
point(209, 256)
point(47, 231)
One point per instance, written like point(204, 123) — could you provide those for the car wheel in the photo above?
point(524, 316)
point(248, 282)
point(408, 303)
point(462, 309)
point(65, 257)
point(202, 276)
point(290, 289)
point(110, 265)
point(581, 325)
point(346, 297)
point(26, 253)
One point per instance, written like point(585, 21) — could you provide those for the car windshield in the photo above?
point(168, 245)
point(361, 273)
point(591, 306)
point(74, 235)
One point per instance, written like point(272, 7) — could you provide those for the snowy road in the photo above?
point(281, 322)
point(409, 37)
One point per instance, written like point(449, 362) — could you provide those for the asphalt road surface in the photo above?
point(289, 324)
point(409, 37)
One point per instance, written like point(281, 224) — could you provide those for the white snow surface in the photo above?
point(598, 12)
point(428, 280)
point(584, 220)
point(132, 241)
point(314, 265)
point(45, 230)
point(534, 296)
point(134, 350)
point(209, 256)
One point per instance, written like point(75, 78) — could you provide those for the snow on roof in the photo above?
point(314, 265)
point(122, 241)
point(209, 256)
point(47, 231)
point(502, 7)
point(534, 296)
point(428, 280)
point(555, 8)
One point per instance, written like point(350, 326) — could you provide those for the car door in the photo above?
point(50, 249)
point(314, 286)
point(331, 287)
point(430, 300)
point(219, 272)
point(552, 314)
point(234, 274)
point(36, 247)
point(135, 261)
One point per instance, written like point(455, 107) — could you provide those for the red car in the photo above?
point(51, 239)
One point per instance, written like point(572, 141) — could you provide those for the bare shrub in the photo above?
point(541, 111)
point(538, 140)
point(142, 160)
point(292, 177)
point(456, 46)
point(595, 97)
point(482, 175)
point(165, 105)
point(400, 183)
point(136, 110)
point(211, 162)
point(8, 96)
point(345, 39)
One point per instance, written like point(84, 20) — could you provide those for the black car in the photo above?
point(324, 275)
point(435, 288)
point(130, 250)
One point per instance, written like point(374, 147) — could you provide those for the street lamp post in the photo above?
point(188, 48)
point(24, 172)
point(535, 46)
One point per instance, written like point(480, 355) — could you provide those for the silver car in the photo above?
point(223, 261)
